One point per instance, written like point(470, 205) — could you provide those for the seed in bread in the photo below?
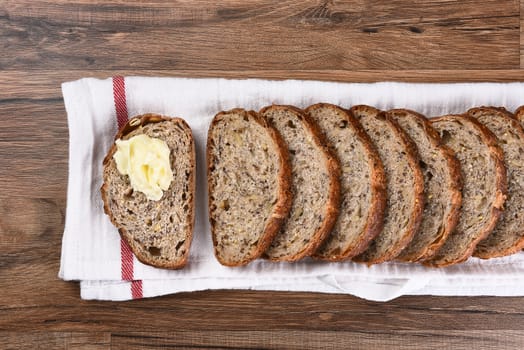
point(508, 236)
point(442, 187)
point(363, 184)
point(159, 232)
point(249, 182)
point(315, 185)
point(405, 185)
point(484, 185)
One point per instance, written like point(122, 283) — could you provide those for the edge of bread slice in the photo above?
point(249, 185)
point(508, 236)
point(482, 167)
point(442, 186)
point(151, 232)
point(519, 115)
point(405, 185)
point(315, 185)
point(362, 205)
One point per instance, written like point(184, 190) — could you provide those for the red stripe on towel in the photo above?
point(136, 289)
point(126, 261)
point(126, 255)
point(119, 96)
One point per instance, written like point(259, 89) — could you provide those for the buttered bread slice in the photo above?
point(149, 188)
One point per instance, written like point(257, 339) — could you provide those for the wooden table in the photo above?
point(45, 43)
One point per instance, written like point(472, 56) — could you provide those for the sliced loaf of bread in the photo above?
point(442, 186)
point(159, 232)
point(363, 184)
point(508, 236)
point(315, 185)
point(405, 185)
point(249, 185)
point(484, 185)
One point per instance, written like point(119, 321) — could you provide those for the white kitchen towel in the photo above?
point(93, 253)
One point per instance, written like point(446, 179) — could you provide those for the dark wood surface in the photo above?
point(45, 43)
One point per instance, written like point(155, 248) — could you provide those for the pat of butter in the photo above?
point(146, 161)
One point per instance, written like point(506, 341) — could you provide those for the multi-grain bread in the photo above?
point(315, 185)
point(484, 185)
point(363, 184)
point(159, 232)
point(442, 188)
point(508, 235)
point(249, 185)
point(519, 115)
point(405, 185)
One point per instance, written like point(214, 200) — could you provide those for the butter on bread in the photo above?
point(159, 229)
point(146, 161)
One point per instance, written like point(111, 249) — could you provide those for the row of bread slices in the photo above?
point(365, 185)
point(334, 184)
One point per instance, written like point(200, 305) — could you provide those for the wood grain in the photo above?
point(298, 340)
point(521, 34)
point(293, 340)
point(239, 35)
point(56, 340)
point(45, 43)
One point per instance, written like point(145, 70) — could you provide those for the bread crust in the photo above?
point(455, 188)
point(283, 205)
point(518, 129)
point(132, 124)
point(500, 188)
point(333, 204)
point(358, 110)
point(418, 190)
point(519, 114)
point(375, 218)
point(418, 187)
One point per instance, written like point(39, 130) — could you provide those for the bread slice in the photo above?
point(405, 185)
point(158, 232)
point(363, 184)
point(484, 185)
point(519, 115)
point(249, 185)
point(442, 186)
point(508, 236)
point(315, 185)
